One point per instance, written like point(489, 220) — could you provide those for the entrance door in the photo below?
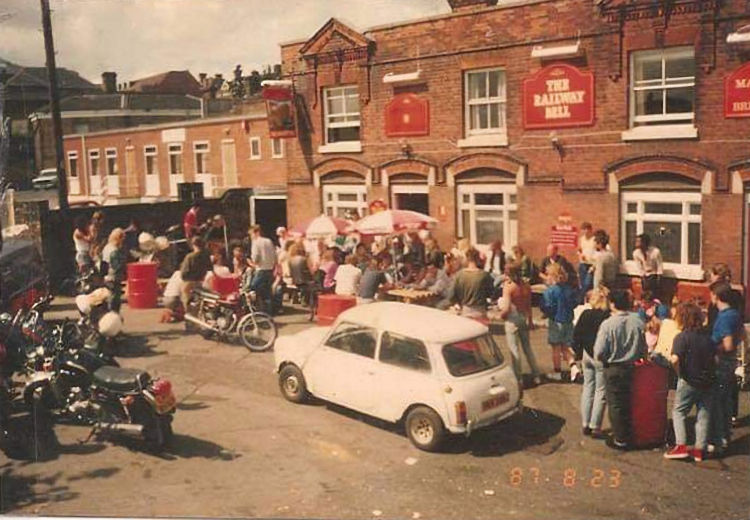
point(229, 164)
point(269, 212)
point(132, 179)
point(413, 197)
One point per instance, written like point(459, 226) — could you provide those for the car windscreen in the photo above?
point(472, 356)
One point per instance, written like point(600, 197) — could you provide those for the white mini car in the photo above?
point(46, 180)
point(434, 371)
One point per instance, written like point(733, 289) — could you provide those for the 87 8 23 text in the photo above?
point(609, 478)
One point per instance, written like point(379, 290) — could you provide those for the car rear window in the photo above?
point(472, 356)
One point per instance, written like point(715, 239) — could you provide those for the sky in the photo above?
point(138, 38)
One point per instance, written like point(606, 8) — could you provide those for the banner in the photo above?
point(558, 96)
point(280, 108)
point(737, 93)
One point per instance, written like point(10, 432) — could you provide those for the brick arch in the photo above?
point(628, 168)
point(739, 172)
point(495, 161)
point(407, 166)
point(341, 164)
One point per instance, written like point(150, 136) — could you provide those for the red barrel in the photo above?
point(648, 404)
point(143, 289)
point(226, 285)
point(331, 305)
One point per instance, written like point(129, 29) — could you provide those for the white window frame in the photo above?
point(510, 226)
point(343, 92)
point(151, 151)
point(681, 270)
point(198, 149)
point(661, 84)
point(256, 156)
point(277, 154)
point(94, 154)
point(175, 149)
point(335, 204)
point(111, 153)
point(501, 100)
point(73, 155)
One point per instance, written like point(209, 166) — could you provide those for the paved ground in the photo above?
point(241, 450)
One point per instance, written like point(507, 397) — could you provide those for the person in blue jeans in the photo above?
point(693, 360)
point(558, 302)
point(584, 336)
point(726, 336)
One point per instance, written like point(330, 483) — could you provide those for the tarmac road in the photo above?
point(241, 450)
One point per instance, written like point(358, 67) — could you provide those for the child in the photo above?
point(558, 302)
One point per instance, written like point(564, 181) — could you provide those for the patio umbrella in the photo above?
point(321, 227)
point(393, 221)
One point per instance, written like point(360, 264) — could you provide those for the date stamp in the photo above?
point(610, 478)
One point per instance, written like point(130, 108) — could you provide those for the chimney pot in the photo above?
point(109, 82)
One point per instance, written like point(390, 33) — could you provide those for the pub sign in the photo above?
point(737, 93)
point(558, 96)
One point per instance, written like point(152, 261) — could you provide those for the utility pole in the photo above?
point(54, 98)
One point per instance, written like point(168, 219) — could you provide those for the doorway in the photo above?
point(269, 212)
point(413, 197)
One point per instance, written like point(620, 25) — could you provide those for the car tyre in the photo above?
point(292, 384)
point(425, 428)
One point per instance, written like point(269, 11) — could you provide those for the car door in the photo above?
point(404, 377)
point(342, 370)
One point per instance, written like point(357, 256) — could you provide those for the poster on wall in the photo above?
point(564, 234)
point(558, 96)
point(279, 99)
point(737, 93)
point(407, 115)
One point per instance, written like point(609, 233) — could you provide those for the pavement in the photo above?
point(241, 450)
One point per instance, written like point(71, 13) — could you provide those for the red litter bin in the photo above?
point(143, 289)
point(331, 305)
point(648, 404)
point(226, 285)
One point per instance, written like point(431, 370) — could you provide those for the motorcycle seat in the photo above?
point(207, 293)
point(120, 379)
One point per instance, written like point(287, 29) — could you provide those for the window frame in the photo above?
point(502, 101)
point(274, 153)
point(376, 335)
point(683, 269)
point(204, 159)
point(510, 226)
point(94, 154)
point(253, 155)
point(111, 153)
point(388, 334)
point(177, 150)
point(336, 189)
point(681, 118)
point(72, 156)
point(151, 151)
point(327, 91)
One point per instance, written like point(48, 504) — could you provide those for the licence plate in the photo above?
point(494, 402)
point(165, 404)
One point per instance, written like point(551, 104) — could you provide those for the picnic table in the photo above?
point(412, 295)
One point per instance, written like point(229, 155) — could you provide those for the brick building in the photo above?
point(499, 120)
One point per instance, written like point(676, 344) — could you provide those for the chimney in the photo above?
point(202, 78)
point(470, 5)
point(109, 82)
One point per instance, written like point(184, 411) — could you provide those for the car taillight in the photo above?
point(461, 417)
point(161, 388)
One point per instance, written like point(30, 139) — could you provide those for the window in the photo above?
point(488, 212)
point(472, 356)
point(255, 148)
point(150, 154)
point(200, 150)
point(94, 162)
point(340, 200)
point(673, 221)
point(73, 164)
point(663, 87)
point(341, 114)
point(485, 102)
point(404, 352)
point(356, 339)
point(277, 148)
point(111, 155)
point(175, 159)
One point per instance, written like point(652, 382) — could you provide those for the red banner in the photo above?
point(407, 114)
point(564, 236)
point(558, 96)
point(280, 109)
point(737, 93)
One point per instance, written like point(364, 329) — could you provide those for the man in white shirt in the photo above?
point(650, 265)
point(263, 259)
point(347, 277)
point(586, 254)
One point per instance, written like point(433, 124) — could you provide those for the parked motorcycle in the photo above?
point(210, 313)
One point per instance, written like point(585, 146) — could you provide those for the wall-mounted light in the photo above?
point(741, 35)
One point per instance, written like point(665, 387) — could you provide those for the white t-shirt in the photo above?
point(174, 285)
point(347, 280)
point(588, 248)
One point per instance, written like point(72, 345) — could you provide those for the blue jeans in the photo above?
point(593, 395)
point(585, 278)
point(517, 335)
point(261, 284)
point(721, 409)
point(685, 397)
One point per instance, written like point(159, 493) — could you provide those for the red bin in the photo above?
point(648, 404)
point(143, 289)
point(331, 305)
point(226, 285)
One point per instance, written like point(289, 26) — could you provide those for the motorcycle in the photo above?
point(210, 313)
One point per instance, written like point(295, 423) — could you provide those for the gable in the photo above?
point(335, 39)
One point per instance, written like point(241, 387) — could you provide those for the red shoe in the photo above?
point(697, 455)
point(678, 452)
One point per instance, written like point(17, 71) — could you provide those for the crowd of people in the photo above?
point(596, 331)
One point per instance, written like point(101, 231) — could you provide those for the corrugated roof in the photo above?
point(127, 101)
point(21, 76)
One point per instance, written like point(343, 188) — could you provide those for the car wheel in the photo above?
point(425, 428)
point(292, 384)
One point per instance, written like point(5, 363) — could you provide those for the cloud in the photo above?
point(137, 38)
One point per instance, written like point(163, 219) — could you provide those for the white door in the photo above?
point(174, 180)
point(208, 183)
point(153, 186)
point(95, 185)
point(113, 185)
point(74, 186)
point(229, 164)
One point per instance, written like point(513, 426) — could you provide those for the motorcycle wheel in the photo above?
point(158, 433)
point(258, 332)
point(192, 309)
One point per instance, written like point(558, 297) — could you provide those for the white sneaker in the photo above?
point(574, 373)
point(554, 376)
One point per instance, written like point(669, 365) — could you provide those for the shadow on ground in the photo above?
point(18, 491)
point(179, 447)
